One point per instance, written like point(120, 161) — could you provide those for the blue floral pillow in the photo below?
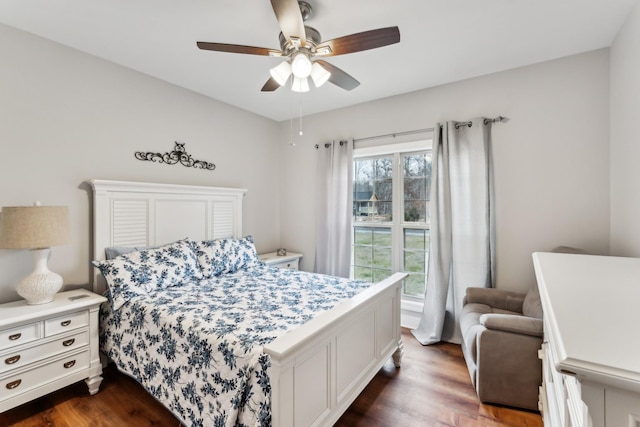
point(140, 272)
point(221, 256)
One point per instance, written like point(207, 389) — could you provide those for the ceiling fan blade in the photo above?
point(360, 41)
point(290, 20)
point(237, 48)
point(270, 85)
point(339, 77)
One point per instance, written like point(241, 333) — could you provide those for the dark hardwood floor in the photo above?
point(431, 389)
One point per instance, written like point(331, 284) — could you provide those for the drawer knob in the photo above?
point(67, 343)
point(11, 360)
point(69, 364)
point(15, 336)
point(13, 384)
point(65, 323)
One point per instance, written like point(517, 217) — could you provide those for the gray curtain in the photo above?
point(334, 208)
point(461, 251)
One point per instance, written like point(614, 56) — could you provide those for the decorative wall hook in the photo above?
point(178, 154)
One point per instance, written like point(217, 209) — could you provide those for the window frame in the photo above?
point(398, 224)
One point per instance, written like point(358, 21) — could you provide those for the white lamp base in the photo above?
point(41, 286)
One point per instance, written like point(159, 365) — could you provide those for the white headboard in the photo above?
point(146, 214)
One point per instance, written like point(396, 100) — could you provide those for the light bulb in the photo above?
point(301, 65)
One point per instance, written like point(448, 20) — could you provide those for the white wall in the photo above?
point(66, 117)
point(625, 144)
point(551, 158)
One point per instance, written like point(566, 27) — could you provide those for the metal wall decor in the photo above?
point(178, 155)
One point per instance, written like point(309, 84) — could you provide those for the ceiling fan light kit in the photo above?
point(302, 44)
point(281, 72)
point(300, 84)
point(301, 65)
point(319, 75)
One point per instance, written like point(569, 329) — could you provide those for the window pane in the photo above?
point(416, 186)
point(415, 259)
point(382, 257)
point(363, 255)
point(362, 236)
point(373, 189)
point(372, 256)
point(414, 285)
point(361, 273)
point(380, 274)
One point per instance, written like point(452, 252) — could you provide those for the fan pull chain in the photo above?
point(300, 123)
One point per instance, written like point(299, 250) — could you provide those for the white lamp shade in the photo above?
point(281, 72)
point(301, 65)
point(300, 85)
point(319, 74)
point(31, 227)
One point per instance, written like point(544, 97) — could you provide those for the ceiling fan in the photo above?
point(302, 46)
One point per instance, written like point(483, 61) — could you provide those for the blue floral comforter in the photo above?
point(197, 347)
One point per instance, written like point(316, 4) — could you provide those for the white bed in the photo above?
point(317, 369)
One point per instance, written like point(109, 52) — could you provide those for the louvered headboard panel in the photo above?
point(139, 214)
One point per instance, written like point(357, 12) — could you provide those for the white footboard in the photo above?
point(320, 368)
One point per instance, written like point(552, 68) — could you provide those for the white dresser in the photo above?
point(49, 346)
point(591, 349)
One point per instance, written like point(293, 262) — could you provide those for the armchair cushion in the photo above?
point(512, 323)
point(496, 298)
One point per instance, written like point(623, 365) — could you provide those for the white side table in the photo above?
point(46, 347)
point(290, 260)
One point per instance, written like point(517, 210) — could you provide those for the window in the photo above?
point(391, 214)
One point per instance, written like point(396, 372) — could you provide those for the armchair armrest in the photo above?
point(511, 323)
point(497, 298)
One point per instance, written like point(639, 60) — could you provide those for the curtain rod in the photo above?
point(411, 132)
point(498, 119)
point(407, 132)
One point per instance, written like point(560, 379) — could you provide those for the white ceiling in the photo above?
point(441, 41)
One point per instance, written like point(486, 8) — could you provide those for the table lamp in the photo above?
point(36, 228)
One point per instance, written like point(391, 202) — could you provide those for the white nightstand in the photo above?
point(290, 260)
point(49, 346)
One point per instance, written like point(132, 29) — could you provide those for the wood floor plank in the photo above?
point(432, 388)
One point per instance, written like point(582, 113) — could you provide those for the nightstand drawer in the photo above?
point(20, 335)
point(32, 378)
point(66, 323)
point(289, 264)
point(39, 352)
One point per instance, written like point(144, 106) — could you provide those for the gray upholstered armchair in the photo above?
point(502, 333)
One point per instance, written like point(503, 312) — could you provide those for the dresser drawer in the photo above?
point(26, 380)
point(20, 335)
point(13, 360)
point(65, 323)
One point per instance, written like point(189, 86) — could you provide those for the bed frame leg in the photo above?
point(397, 355)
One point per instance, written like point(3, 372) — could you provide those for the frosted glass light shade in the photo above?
point(301, 65)
point(300, 85)
point(319, 74)
point(281, 72)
